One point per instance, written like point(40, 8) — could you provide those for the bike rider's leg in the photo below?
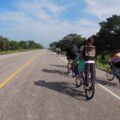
point(93, 72)
point(87, 69)
point(117, 70)
point(73, 70)
point(76, 70)
point(68, 66)
point(73, 67)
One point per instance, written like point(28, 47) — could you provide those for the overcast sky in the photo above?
point(46, 21)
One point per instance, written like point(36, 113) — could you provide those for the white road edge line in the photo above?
point(112, 93)
point(106, 89)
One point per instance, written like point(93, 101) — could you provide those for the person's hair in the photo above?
point(90, 40)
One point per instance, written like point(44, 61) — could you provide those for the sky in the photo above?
point(46, 21)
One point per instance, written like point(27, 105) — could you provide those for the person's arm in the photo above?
point(76, 59)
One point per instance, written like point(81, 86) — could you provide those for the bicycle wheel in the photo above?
point(89, 93)
point(78, 80)
point(110, 74)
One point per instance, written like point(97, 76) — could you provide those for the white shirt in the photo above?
point(89, 61)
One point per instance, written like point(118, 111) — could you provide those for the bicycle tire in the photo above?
point(78, 80)
point(89, 93)
point(110, 75)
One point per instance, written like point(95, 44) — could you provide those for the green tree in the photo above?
point(14, 45)
point(68, 41)
point(23, 44)
point(108, 37)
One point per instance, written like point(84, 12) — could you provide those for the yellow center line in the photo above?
point(10, 77)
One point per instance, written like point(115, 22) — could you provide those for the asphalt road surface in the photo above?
point(34, 86)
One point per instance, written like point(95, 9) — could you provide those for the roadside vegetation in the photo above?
point(11, 46)
point(107, 41)
point(102, 64)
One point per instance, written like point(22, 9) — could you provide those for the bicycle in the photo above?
point(89, 93)
point(111, 72)
point(70, 67)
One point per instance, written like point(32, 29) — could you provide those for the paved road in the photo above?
point(34, 86)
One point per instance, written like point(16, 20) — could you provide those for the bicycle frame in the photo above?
point(89, 93)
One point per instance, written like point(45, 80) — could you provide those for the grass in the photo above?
point(102, 64)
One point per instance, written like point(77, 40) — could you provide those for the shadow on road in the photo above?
point(108, 83)
point(54, 71)
point(63, 66)
point(62, 87)
point(60, 72)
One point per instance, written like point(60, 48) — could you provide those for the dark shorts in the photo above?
point(117, 64)
point(71, 57)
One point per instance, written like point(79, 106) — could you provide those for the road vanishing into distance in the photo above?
point(34, 86)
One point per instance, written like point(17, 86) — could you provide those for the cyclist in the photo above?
point(115, 62)
point(71, 55)
point(89, 52)
point(79, 63)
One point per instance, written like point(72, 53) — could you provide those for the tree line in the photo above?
point(67, 42)
point(106, 40)
point(6, 44)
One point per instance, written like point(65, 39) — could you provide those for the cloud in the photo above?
point(103, 8)
point(43, 5)
point(39, 20)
